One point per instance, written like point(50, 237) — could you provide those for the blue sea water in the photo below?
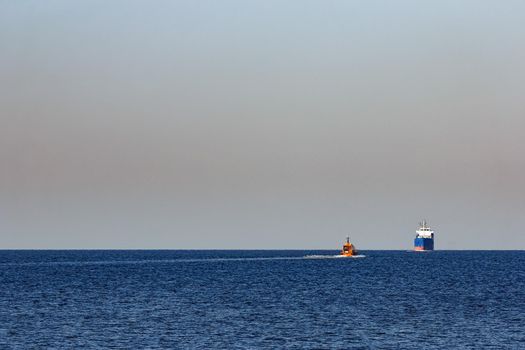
point(262, 299)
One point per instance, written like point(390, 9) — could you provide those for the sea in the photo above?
point(261, 299)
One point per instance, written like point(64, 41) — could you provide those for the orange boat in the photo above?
point(348, 248)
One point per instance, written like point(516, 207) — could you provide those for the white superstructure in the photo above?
point(424, 230)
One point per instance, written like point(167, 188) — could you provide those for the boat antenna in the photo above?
point(347, 238)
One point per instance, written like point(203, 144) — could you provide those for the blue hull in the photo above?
point(423, 243)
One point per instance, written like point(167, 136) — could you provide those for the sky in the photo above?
point(261, 124)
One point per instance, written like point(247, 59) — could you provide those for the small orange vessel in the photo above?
point(348, 248)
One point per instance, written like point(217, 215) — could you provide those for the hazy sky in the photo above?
point(261, 124)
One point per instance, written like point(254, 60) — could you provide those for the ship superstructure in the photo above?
point(424, 237)
point(348, 248)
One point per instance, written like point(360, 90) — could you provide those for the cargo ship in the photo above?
point(424, 240)
point(348, 248)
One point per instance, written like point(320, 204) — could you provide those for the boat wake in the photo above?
point(333, 257)
point(171, 261)
point(150, 261)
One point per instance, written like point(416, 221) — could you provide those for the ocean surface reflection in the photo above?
point(262, 299)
